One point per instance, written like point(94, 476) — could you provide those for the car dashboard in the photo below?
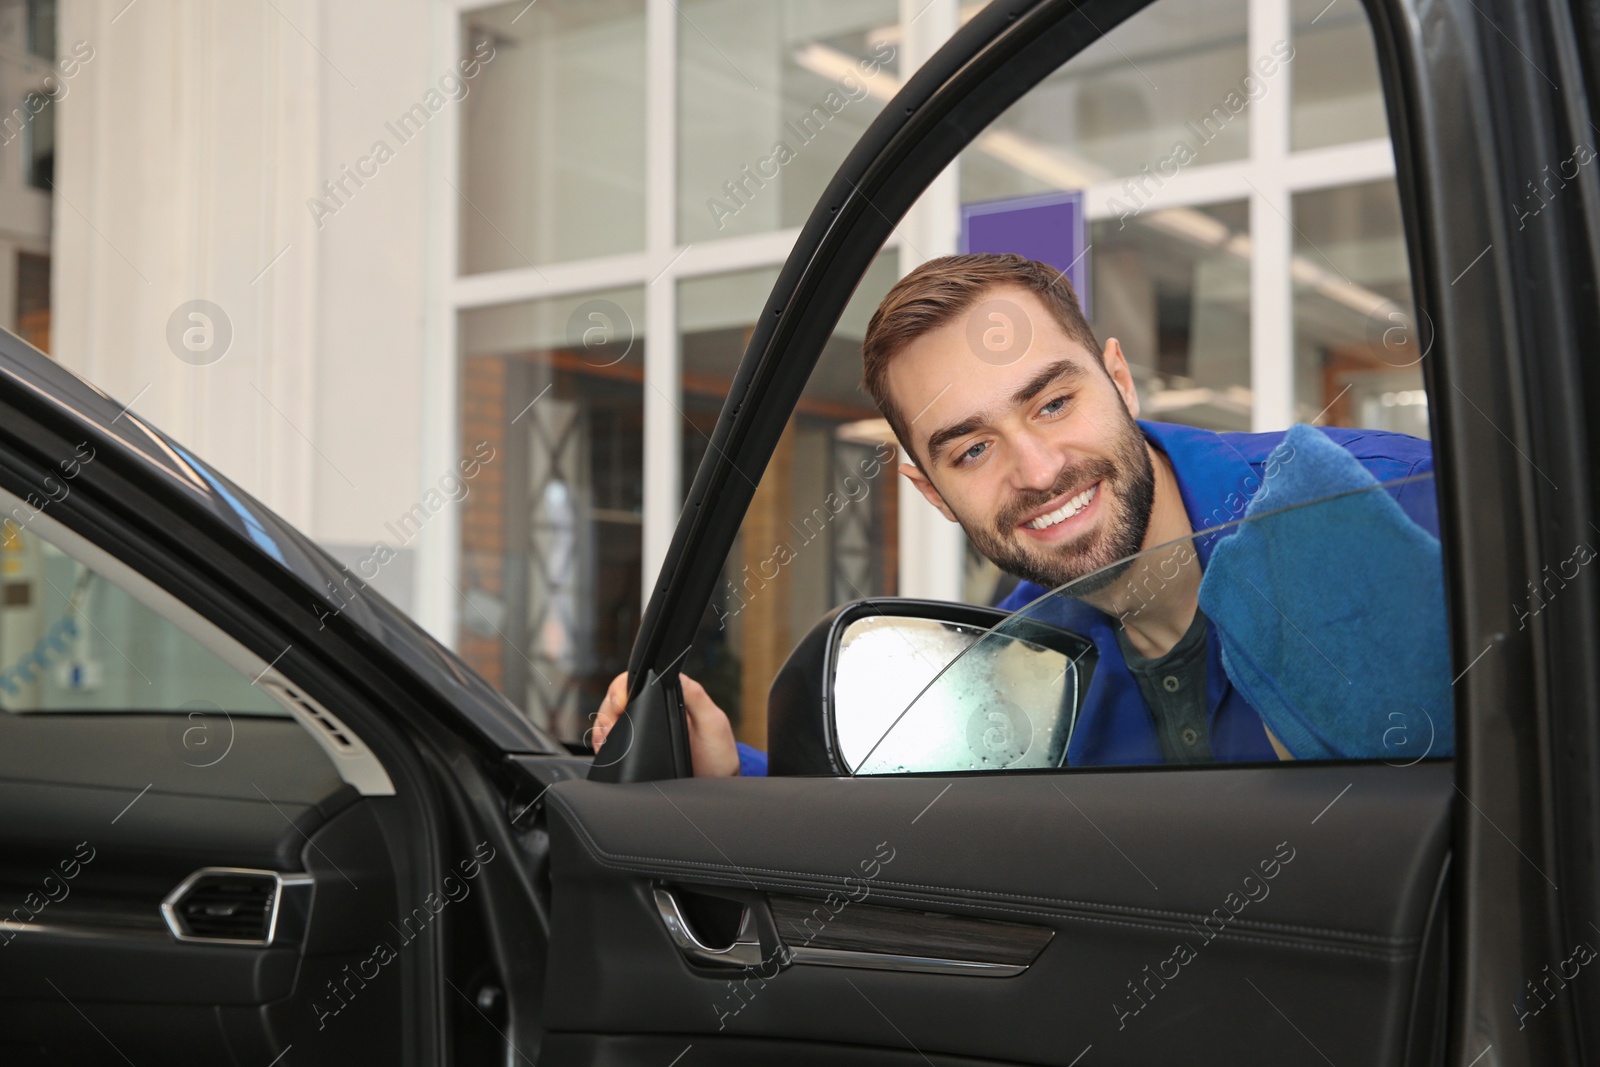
point(154, 884)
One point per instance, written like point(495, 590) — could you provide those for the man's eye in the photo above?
point(971, 454)
point(1055, 405)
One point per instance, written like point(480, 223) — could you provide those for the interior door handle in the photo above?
point(744, 952)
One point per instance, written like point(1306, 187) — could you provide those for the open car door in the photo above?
point(1377, 911)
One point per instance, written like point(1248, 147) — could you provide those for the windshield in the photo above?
point(1317, 629)
point(72, 640)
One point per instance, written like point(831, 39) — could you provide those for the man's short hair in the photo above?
point(942, 289)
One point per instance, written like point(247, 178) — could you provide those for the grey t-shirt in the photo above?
point(1174, 688)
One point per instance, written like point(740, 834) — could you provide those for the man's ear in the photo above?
point(1116, 365)
point(925, 487)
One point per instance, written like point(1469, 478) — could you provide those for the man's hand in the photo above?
point(712, 752)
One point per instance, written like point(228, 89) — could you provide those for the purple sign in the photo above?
point(1048, 227)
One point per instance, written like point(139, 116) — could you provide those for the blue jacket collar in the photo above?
point(1215, 480)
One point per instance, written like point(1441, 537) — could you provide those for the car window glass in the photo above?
point(1216, 178)
point(72, 640)
point(1324, 619)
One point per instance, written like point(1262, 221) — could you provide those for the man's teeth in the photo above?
point(1067, 510)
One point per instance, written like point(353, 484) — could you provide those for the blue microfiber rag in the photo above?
point(1331, 616)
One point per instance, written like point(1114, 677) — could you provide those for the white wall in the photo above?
point(188, 150)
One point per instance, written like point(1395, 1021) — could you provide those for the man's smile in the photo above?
point(1063, 516)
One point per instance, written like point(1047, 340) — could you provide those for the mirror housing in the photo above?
point(803, 706)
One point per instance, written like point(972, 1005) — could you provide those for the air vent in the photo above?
point(325, 721)
point(351, 758)
point(224, 904)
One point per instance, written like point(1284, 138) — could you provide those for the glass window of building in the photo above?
point(1173, 287)
point(41, 140)
point(1337, 98)
point(1358, 349)
point(1170, 74)
point(822, 529)
point(552, 133)
point(42, 28)
point(771, 97)
point(553, 413)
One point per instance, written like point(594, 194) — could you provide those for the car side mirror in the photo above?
point(906, 686)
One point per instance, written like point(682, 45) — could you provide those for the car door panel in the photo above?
point(1120, 867)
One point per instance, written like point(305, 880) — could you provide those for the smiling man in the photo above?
point(1025, 434)
point(1021, 427)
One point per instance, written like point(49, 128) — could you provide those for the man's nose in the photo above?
point(1037, 463)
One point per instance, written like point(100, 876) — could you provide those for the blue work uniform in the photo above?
point(1217, 474)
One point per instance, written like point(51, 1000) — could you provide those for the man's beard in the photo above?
point(1129, 481)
